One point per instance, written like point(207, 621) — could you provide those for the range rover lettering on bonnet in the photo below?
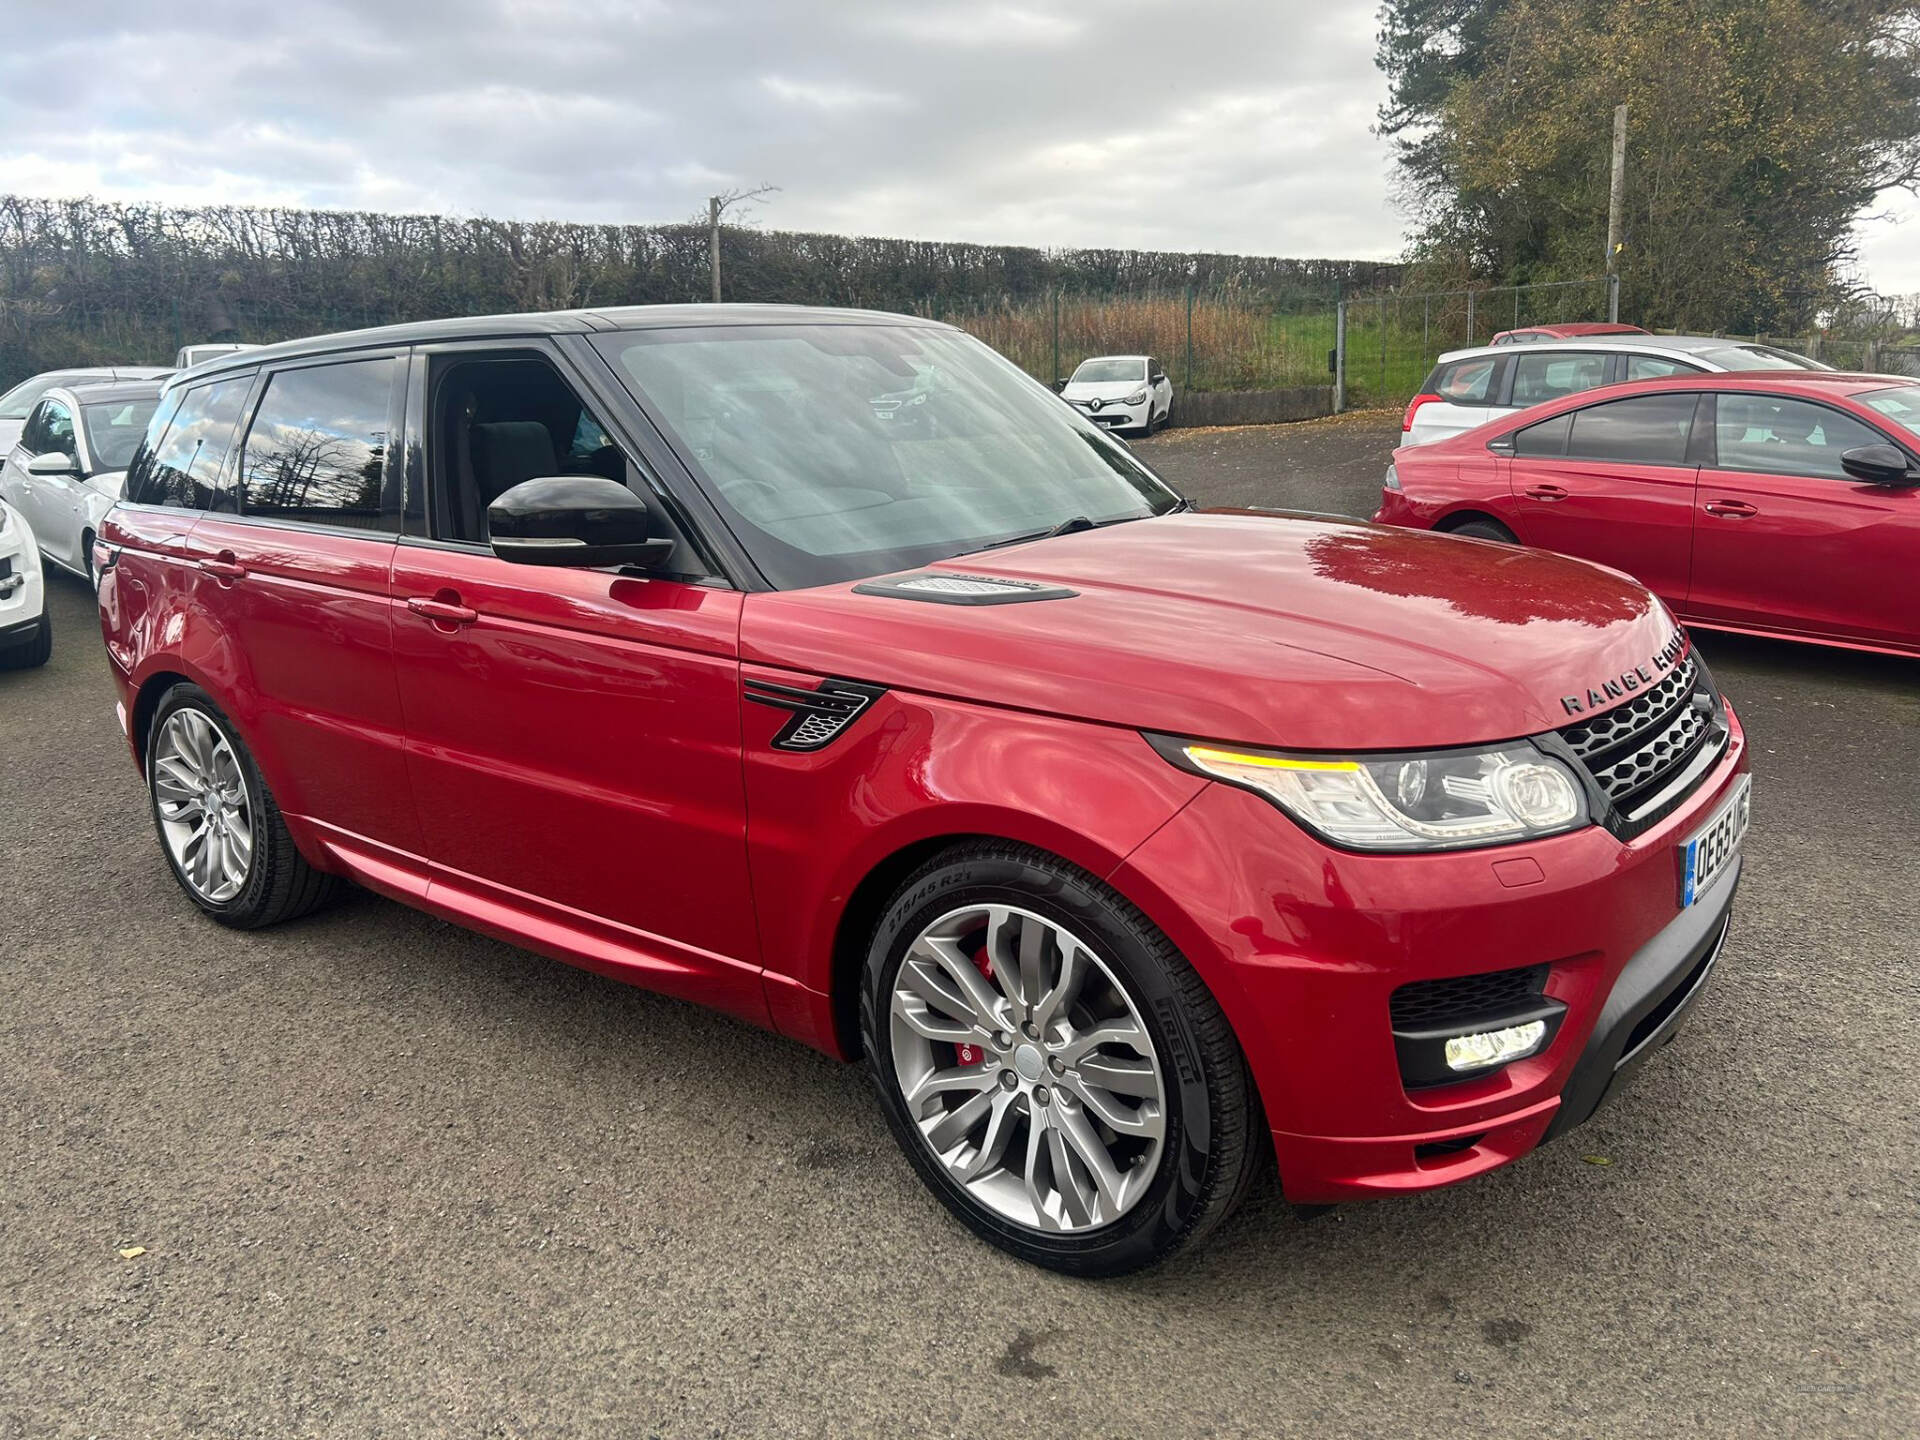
point(1629, 680)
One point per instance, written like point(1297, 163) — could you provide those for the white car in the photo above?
point(190, 355)
point(1489, 382)
point(1121, 392)
point(26, 633)
point(18, 402)
point(69, 465)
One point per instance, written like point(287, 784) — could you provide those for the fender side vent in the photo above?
point(819, 717)
point(940, 587)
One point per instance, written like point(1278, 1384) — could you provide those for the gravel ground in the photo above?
point(388, 1178)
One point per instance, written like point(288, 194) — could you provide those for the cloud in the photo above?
point(1212, 125)
point(832, 99)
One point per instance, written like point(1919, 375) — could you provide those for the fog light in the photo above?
point(1495, 1047)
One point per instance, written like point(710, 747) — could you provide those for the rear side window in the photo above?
point(1646, 430)
point(1466, 382)
point(317, 449)
point(1775, 436)
point(181, 468)
point(1539, 377)
point(1652, 367)
point(1548, 438)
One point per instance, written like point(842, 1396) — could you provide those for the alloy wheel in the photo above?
point(206, 815)
point(1026, 1069)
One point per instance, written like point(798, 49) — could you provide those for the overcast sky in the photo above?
point(1227, 125)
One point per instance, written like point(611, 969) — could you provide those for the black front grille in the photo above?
point(1465, 999)
point(1634, 750)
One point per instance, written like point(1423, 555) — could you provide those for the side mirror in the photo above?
point(1058, 386)
point(574, 520)
point(1156, 377)
point(1875, 464)
point(53, 462)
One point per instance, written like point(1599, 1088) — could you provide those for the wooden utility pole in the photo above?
point(1616, 202)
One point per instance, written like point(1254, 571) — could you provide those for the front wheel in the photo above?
point(1054, 1069)
point(35, 652)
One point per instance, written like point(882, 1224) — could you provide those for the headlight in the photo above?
point(1392, 482)
point(1138, 397)
point(1443, 800)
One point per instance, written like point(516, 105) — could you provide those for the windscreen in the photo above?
point(115, 429)
point(1899, 403)
point(838, 452)
point(18, 402)
point(1109, 371)
point(1759, 357)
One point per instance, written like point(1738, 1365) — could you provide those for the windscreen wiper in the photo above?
point(1072, 525)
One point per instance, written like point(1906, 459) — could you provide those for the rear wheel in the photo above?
point(1485, 530)
point(219, 826)
point(1052, 1066)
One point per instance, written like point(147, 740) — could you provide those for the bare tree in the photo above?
point(716, 207)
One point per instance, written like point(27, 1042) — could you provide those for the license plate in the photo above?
point(1715, 844)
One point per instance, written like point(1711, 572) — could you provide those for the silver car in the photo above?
point(70, 463)
point(1471, 387)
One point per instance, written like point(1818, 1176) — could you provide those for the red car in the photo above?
point(1570, 331)
point(1775, 503)
point(1124, 842)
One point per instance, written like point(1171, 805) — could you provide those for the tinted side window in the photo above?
point(1651, 367)
point(181, 468)
point(1787, 437)
point(1647, 430)
point(317, 449)
point(1547, 377)
point(1466, 382)
point(33, 433)
point(1548, 438)
point(48, 429)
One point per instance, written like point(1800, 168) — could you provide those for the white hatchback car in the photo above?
point(70, 463)
point(1471, 387)
point(26, 633)
point(1122, 392)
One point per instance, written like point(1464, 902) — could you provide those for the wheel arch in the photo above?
point(854, 930)
point(146, 701)
point(1466, 515)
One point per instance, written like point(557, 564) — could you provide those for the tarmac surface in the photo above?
point(388, 1178)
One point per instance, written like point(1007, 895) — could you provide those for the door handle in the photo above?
point(224, 567)
point(1544, 492)
point(442, 612)
point(1730, 509)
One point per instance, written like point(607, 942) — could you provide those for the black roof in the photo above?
point(554, 322)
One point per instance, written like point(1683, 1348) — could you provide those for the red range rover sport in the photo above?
point(1122, 841)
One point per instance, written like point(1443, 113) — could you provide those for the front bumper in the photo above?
point(1305, 945)
point(1117, 416)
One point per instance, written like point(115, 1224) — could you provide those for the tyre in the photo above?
point(86, 558)
point(35, 652)
point(219, 826)
point(1052, 1066)
point(1485, 530)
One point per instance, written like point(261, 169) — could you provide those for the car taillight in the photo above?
point(1413, 408)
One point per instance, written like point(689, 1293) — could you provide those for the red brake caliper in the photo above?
point(973, 1054)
